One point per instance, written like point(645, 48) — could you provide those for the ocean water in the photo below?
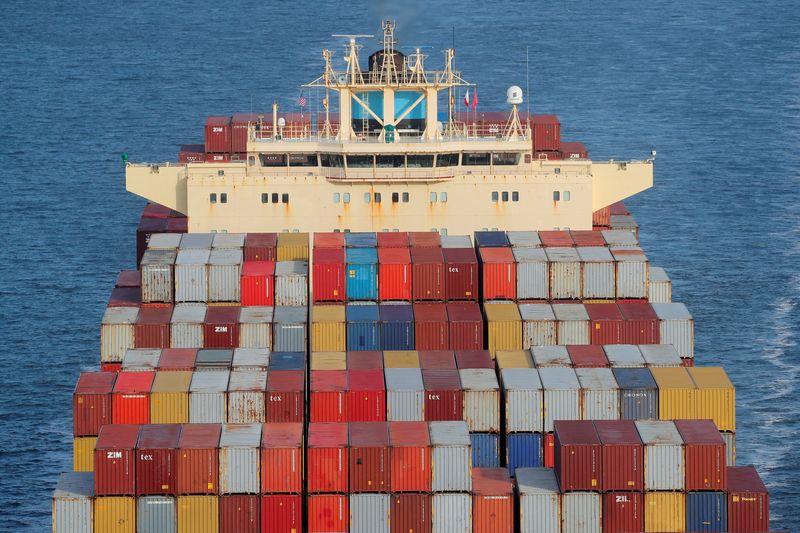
point(713, 87)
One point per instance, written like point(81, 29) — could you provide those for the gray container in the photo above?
point(196, 240)
point(664, 468)
point(660, 355)
point(660, 289)
point(676, 326)
point(224, 275)
point(624, 355)
point(539, 500)
point(624, 222)
point(615, 237)
point(456, 241)
point(207, 397)
point(565, 273)
point(156, 514)
point(239, 458)
point(246, 395)
point(599, 277)
point(452, 513)
point(524, 239)
point(561, 395)
point(290, 329)
point(405, 394)
point(164, 241)
point(730, 447)
point(599, 394)
point(228, 240)
point(116, 332)
point(157, 269)
point(250, 359)
point(533, 274)
point(638, 393)
point(186, 326)
point(72, 503)
point(524, 399)
point(632, 272)
point(549, 356)
point(141, 360)
point(451, 457)
point(369, 513)
point(573, 323)
point(291, 283)
point(213, 359)
point(191, 275)
point(481, 399)
point(255, 327)
point(581, 512)
point(538, 325)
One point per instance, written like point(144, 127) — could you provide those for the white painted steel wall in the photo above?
point(581, 512)
point(369, 513)
point(481, 399)
point(239, 459)
point(405, 395)
point(224, 275)
point(452, 513)
point(191, 275)
point(451, 457)
point(524, 399)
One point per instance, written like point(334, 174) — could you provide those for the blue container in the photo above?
point(397, 326)
point(363, 327)
point(491, 239)
point(287, 361)
point(638, 398)
point(362, 274)
point(706, 511)
point(361, 239)
point(523, 450)
point(485, 448)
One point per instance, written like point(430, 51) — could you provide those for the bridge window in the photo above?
point(360, 161)
point(395, 197)
point(331, 160)
point(476, 159)
point(420, 161)
point(556, 196)
point(405, 197)
point(515, 196)
point(433, 197)
point(285, 198)
point(495, 196)
point(447, 160)
point(390, 161)
point(367, 197)
point(505, 159)
point(336, 197)
point(567, 196)
point(272, 160)
point(303, 160)
point(443, 197)
point(274, 198)
point(212, 198)
point(505, 196)
point(377, 197)
point(223, 198)
point(346, 197)
point(264, 197)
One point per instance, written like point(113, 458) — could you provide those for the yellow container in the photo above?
point(292, 246)
point(83, 454)
point(169, 399)
point(716, 396)
point(329, 361)
point(504, 325)
point(328, 328)
point(677, 393)
point(115, 514)
point(599, 301)
point(664, 511)
point(514, 359)
point(198, 514)
point(401, 359)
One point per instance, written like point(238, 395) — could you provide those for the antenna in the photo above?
point(353, 70)
point(528, 82)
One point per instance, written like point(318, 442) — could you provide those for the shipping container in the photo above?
point(224, 274)
point(197, 460)
point(369, 513)
point(410, 457)
point(221, 327)
point(362, 274)
point(623, 512)
point(250, 359)
point(624, 355)
point(565, 273)
point(291, 283)
point(156, 459)
point(460, 274)
point(255, 327)
point(177, 359)
point(282, 458)
point(587, 356)
point(539, 501)
point(405, 394)
point(485, 449)
point(363, 327)
point(361, 239)
point(169, 398)
point(715, 396)
point(287, 361)
point(640, 323)
point(451, 513)
point(638, 393)
point(659, 355)
point(152, 328)
point(663, 455)
point(239, 513)
point(581, 512)
point(328, 513)
point(246, 390)
point(328, 275)
point(431, 331)
point(115, 514)
point(538, 325)
point(292, 247)
point(259, 246)
point(490, 239)
point(218, 135)
point(481, 399)
point(328, 240)
point(677, 393)
point(83, 454)
point(290, 329)
point(533, 274)
point(676, 327)
point(599, 394)
point(117, 332)
point(598, 274)
point(394, 274)
point(620, 238)
point(125, 297)
point(130, 399)
point(328, 401)
point(499, 274)
point(239, 459)
point(523, 450)
point(157, 268)
point(365, 360)
point(427, 274)
point(748, 500)
point(660, 289)
point(328, 458)
point(623, 455)
point(556, 238)
point(492, 501)
point(401, 359)
point(578, 456)
point(411, 513)
point(285, 395)
point(281, 513)
point(396, 326)
point(704, 455)
point(513, 359)
point(147, 228)
point(72, 502)
point(546, 132)
point(587, 239)
point(329, 361)
point(561, 395)
point(186, 325)
point(523, 397)
point(605, 323)
point(451, 457)
point(443, 395)
point(91, 402)
point(240, 129)
point(191, 275)
point(706, 511)
point(207, 397)
point(328, 328)
point(474, 359)
point(504, 325)
point(730, 447)
point(664, 511)
point(632, 272)
point(465, 326)
point(115, 460)
point(369, 457)
point(198, 514)
point(550, 356)
point(257, 283)
point(456, 241)
point(393, 239)
point(366, 395)
point(573, 324)
point(524, 239)
point(141, 360)
point(424, 239)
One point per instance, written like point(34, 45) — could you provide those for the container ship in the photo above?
point(389, 317)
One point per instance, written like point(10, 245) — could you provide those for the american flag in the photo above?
point(302, 101)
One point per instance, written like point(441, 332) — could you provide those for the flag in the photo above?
point(475, 99)
point(466, 99)
point(302, 101)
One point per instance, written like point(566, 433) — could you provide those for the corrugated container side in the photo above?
point(676, 327)
point(660, 289)
point(451, 467)
point(485, 450)
point(239, 513)
point(524, 406)
point(72, 503)
point(191, 282)
point(156, 513)
point(533, 277)
point(198, 514)
point(115, 514)
point(598, 280)
point(328, 337)
point(238, 470)
point(289, 337)
point(581, 512)
point(292, 247)
point(716, 396)
point(410, 468)
point(481, 399)
point(156, 281)
point(493, 510)
point(291, 286)
point(198, 469)
point(83, 454)
point(369, 513)
point(748, 500)
point(328, 513)
point(504, 335)
point(730, 447)
point(281, 470)
point(539, 506)
point(281, 513)
point(560, 404)
point(523, 450)
point(452, 513)
point(622, 512)
point(224, 275)
point(538, 333)
point(664, 511)
point(663, 455)
point(255, 335)
point(706, 511)
point(117, 332)
point(565, 280)
point(411, 513)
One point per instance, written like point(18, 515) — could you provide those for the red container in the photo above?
point(439, 359)
point(640, 325)
point(601, 218)
point(430, 326)
point(393, 239)
point(197, 465)
point(91, 403)
point(623, 455)
point(115, 460)
point(218, 158)
point(587, 238)
point(146, 228)
point(328, 512)
point(239, 513)
point(260, 246)
point(258, 283)
point(410, 457)
point(549, 450)
point(130, 400)
point(327, 458)
point(619, 208)
point(221, 328)
point(125, 297)
point(394, 274)
point(411, 513)
point(499, 271)
point(369, 457)
point(286, 393)
point(282, 458)
point(578, 456)
point(240, 123)
point(704, 455)
point(574, 150)
point(156, 459)
point(474, 359)
point(424, 239)
point(328, 396)
point(466, 326)
point(492, 501)
point(176, 359)
point(157, 210)
point(192, 153)
point(281, 513)
point(427, 274)
point(557, 239)
point(748, 500)
point(460, 274)
point(328, 275)
point(152, 327)
point(623, 512)
point(444, 399)
point(587, 356)
point(366, 396)
point(218, 135)
point(110, 367)
point(178, 225)
point(365, 361)
point(329, 239)
point(605, 323)
point(546, 132)
point(129, 278)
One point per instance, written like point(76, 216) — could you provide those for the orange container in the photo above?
point(492, 501)
point(130, 400)
point(258, 283)
point(282, 458)
point(499, 274)
point(410, 457)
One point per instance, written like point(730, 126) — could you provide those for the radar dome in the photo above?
point(514, 95)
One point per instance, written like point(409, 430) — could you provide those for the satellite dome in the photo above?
point(514, 95)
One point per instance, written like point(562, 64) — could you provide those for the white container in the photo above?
point(72, 503)
point(369, 513)
point(224, 275)
point(660, 355)
point(624, 222)
point(664, 468)
point(228, 240)
point(255, 327)
point(481, 399)
point(599, 394)
point(615, 237)
point(196, 240)
point(539, 500)
point(250, 359)
point(456, 241)
point(157, 267)
point(291, 283)
point(545, 356)
point(660, 289)
point(239, 451)
point(405, 394)
point(676, 326)
point(524, 399)
point(186, 326)
point(538, 325)
point(290, 329)
point(533, 274)
point(581, 512)
point(730, 447)
point(632, 272)
point(207, 397)
point(624, 355)
point(561, 395)
point(565, 273)
point(246, 395)
point(164, 241)
point(191, 275)
point(572, 323)
point(524, 239)
point(598, 274)
point(452, 513)
point(116, 332)
point(141, 360)
point(451, 457)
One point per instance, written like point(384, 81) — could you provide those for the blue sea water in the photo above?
point(714, 87)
